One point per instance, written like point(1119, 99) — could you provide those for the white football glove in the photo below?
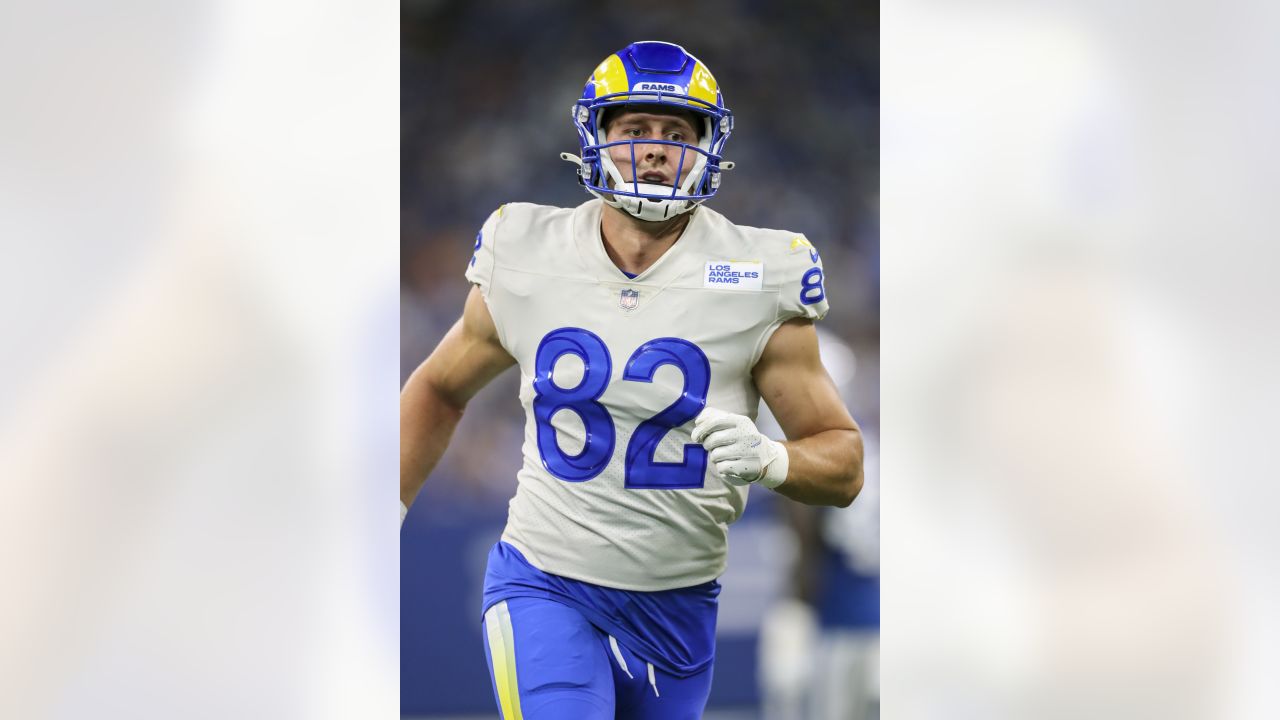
point(741, 455)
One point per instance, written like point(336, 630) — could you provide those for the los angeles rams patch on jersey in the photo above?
point(734, 275)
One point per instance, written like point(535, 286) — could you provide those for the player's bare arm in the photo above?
point(821, 463)
point(824, 443)
point(431, 404)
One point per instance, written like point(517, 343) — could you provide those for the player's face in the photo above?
point(655, 163)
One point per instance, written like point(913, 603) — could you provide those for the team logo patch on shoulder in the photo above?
point(629, 299)
point(734, 275)
point(798, 242)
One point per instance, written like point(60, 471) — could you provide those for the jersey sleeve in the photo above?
point(480, 267)
point(802, 286)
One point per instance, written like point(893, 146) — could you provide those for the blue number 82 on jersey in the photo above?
point(642, 472)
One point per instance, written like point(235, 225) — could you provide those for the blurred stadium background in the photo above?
point(485, 90)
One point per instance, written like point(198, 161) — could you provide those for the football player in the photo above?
point(647, 328)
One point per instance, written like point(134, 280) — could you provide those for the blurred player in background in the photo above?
point(819, 652)
point(647, 328)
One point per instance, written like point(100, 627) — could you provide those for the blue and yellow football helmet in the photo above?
point(651, 73)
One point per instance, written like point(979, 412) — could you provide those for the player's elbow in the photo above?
point(849, 491)
point(851, 483)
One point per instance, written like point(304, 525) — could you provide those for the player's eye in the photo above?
point(631, 132)
point(675, 136)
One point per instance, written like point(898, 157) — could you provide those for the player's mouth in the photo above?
point(656, 178)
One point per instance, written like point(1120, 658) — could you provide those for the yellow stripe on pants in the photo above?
point(502, 649)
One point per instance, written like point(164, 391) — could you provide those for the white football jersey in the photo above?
point(613, 370)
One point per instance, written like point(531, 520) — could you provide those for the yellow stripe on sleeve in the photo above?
point(497, 622)
point(508, 642)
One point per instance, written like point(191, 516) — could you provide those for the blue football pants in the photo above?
point(547, 662)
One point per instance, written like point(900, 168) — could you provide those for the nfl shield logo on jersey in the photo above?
point(629, 299)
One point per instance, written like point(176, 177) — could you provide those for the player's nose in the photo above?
point(656, 153)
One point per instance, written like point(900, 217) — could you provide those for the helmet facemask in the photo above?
point(650, 201)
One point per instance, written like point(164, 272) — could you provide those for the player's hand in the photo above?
point(740, 453)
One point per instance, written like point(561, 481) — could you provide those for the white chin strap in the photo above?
point(645, 208)
point(651, 210)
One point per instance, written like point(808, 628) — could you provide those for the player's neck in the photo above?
point(634, 244)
